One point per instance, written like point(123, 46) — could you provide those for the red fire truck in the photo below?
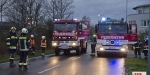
point(70, 35)
point(113, 36)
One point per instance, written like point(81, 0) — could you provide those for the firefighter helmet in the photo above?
point(43, 37)
point(32, 36)
point(94, 35)
point(24, 30)
point(12, 28)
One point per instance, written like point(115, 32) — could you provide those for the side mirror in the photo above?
point(96, 28)
point(132, 29)
point(80, 27)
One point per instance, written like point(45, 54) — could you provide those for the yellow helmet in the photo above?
point(12, 28)
point(94, 35)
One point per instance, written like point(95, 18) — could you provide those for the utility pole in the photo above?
point(126, 9)
point(149, 43)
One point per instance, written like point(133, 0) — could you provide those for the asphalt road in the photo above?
point(69, 65)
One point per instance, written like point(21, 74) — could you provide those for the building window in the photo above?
point(132, 22)
point(147, 22)
point(139, 11)
point(144, 23)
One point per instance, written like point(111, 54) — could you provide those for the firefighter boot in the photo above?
point(145, 57)
point(33, 53)
point(139, 56)
point(11, 63)
point(42, 54)
point(20, 66)
point(25, 67)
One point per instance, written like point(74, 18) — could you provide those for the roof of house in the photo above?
point(139, 6)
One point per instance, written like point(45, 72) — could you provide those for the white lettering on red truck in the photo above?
point(64, 34)
point(112, 37)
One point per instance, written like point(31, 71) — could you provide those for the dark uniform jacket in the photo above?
point(24, 42)
point(12, 41)
point(137, 45)
point(93, 41)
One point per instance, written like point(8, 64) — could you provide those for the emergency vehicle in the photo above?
point(113, 36)
point(70, 35)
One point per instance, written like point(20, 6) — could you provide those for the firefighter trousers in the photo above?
point(43, 50)
point(11, 54)
point(145, 53)
point(32, 50)
point(11, 57)
point(137, 51)
point(23, 59)
point(93, 48)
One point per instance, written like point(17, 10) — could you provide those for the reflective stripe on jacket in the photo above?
point(43, 43)
point(24, 43)
point(32, 42)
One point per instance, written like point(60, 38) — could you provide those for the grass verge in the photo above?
point(38, 53)
point(135, 64)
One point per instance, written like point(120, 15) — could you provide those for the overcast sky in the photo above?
point(115, 9)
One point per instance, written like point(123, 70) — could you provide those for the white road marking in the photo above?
point(49, 69)
point(76, 58)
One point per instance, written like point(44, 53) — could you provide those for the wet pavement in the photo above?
point(69, 65)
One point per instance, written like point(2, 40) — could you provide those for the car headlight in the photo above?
point(54, 44)
point(122, 49)
point(101, 49)
point(74, 44)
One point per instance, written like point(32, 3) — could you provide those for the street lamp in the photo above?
point(102, 17)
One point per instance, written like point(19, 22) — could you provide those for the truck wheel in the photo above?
point(100, 54)
point(78, 51)
point(84, 50)
point(57, 51)
point(124, 55)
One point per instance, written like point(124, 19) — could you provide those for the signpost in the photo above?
point(149, 43)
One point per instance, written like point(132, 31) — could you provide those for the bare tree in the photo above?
point(61, 9)
point(4, 4)
point(25, 10)
point(86, 18)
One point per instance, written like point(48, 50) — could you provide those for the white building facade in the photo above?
point(141, 17)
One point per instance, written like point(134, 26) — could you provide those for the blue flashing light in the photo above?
point(122, 19)
point(146, 37)
point(108, 18)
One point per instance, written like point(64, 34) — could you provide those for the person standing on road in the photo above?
point(43, 45)
point(32, 45)
point(93, 45)
point(137, 49)
point(12, 41)
point(145, 48)
point(24, 44)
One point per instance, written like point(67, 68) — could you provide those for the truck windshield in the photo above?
point(68, 27)
point(112, 29)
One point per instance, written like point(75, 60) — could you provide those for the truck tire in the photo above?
point(124, 55)
point(57, 51)
point(85, 49)
point(78, 51)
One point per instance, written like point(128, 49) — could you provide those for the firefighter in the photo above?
point(12, 41)
point(24, 44)
point(93, 45)
point(145, 50)
point(137, 49)
point(32, 45)
point(43, 45)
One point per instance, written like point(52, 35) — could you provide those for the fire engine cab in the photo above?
point(70, 35)
point(113, 36)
